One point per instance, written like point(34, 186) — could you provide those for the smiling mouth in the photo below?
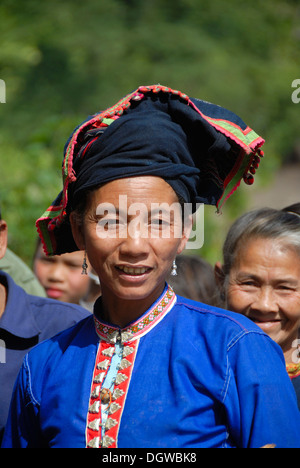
point(133, 270)
point(266, 324)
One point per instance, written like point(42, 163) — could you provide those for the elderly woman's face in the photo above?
point(131, 243)
point(264, 285)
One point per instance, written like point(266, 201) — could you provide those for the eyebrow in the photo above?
point(107, 211)
point(244, 275)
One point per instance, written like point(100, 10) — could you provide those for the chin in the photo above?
point(133, 293)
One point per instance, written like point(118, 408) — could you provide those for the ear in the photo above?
point(219, 275)
point(187, 228)
point(3, 238)
point(77, 231)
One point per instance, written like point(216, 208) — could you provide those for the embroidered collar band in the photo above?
point(139, 328)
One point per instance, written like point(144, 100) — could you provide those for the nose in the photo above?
point(56, 272)
point(265, 301)
point(135, 245)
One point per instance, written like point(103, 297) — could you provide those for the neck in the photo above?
point(121, 312)
point(3, 296)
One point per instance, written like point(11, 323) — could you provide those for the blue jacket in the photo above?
point(27, 320)
point(184, 375)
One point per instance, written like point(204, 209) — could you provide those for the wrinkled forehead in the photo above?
point(143, 189)
point(269, 254)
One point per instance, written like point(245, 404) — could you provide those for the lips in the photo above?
point(54, 293)
point(264, 321)
point(135, 271)
point(266, 324)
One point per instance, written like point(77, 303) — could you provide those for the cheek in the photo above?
point(237, 300)
point(167, 249)
point(291, 308)
point(77, 282)
point(41, 270)
point(100, 252)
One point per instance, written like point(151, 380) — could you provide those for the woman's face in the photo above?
point(264, 285)
point(130, 243)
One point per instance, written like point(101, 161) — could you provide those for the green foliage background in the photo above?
point(62, 61)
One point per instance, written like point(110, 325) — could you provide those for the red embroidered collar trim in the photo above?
point(139, 328)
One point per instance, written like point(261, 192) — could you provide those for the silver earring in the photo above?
point(84, 265)
point(174, 269)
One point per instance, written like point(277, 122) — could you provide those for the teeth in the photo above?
point(133, 271)
point(266, 321)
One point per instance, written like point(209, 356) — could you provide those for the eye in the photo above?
point(249, 284)
point(47, 260)
point(109, 226)
point(74, 266)
point(286, 288)
point(156, 222)
point(159, 222)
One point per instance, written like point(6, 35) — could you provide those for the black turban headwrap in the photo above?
point(200, 149)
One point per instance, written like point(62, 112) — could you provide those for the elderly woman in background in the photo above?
point(260, 277)
point(150, 369)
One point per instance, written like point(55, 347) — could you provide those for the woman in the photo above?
point(150, 369)
point(260, 277)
